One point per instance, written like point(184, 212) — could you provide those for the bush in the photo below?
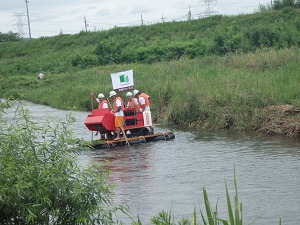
point(40, 181)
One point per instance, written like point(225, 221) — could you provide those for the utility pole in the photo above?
point(162, 18)
point(26, 1)
point(85, 24)
point(142, 19)
point(189, 14)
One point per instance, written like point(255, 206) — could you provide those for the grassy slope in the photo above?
point(213, 35)
point(206, 92)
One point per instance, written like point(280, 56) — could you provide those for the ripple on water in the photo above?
point(170, 175)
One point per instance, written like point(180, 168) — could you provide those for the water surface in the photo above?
point(168, 175)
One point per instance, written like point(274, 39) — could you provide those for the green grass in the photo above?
point(214, 73)
point(210, 92)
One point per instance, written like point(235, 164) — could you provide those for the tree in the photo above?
point(9, 37)
point(280, 4)
point(288, 3)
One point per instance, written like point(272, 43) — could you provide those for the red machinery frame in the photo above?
point(103, 120)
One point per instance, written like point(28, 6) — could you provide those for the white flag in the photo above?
point(122, 81)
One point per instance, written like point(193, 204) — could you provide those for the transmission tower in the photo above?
point(208, 5)
point(20, 23)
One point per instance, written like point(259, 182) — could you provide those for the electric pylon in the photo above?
point(20, 23)
point(208, 5)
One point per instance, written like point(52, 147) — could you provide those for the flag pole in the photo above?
point(92, 104)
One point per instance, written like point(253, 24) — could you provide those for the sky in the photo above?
point(52, 17)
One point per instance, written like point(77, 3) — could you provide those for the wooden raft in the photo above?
point(136, 139)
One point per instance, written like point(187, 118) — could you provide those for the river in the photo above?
point(170, 175)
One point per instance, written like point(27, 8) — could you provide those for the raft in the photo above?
point(137, 127)
point(165, 136)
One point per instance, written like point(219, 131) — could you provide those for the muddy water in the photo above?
point(170, 175)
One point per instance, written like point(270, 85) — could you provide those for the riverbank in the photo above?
point(231, 92)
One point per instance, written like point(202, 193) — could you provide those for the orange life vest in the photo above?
point(115, 105)
point(132, 106)
point(100, 104)
point(147, 102)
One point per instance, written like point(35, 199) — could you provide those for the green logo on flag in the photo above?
point(124, 78)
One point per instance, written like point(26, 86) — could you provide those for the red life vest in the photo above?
point(100, 104)
point(115, 105)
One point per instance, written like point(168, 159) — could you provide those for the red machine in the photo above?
point(103, 120)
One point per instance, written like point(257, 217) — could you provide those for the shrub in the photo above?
point(9, 37)
point(40, 181)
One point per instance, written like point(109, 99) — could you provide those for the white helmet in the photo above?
point(128, 94)
point(135, 92)
point(101, 95)
point(112, 93)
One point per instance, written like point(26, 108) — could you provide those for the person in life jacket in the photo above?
point(132, 102)
point(143, 100)
point(102, 103)
point(118, 111)
point(144, 103)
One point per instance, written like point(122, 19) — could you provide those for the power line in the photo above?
point(3, 24)
point(54, 21)
point(112, 24)
point(208, 5)
point(178, 18)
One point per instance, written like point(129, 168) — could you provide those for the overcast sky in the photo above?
point(49, 17)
